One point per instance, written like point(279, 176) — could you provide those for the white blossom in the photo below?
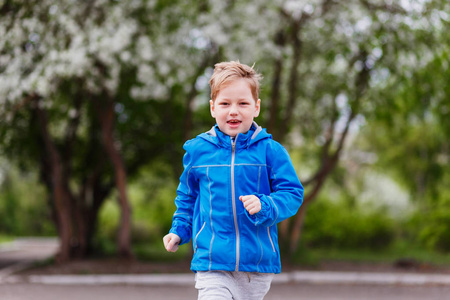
point(69, 43)
point(144, 48)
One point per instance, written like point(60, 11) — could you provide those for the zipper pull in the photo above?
point(233, 143)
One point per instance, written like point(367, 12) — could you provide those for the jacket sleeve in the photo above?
point(286, 191)
point(187, 192)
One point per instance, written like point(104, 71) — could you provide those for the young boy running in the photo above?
point(237, 184)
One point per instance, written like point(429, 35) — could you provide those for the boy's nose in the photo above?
point(233, 110)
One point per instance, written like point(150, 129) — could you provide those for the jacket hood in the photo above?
point(220, 139)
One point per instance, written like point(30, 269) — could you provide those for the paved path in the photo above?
point(22, 252)
point(290, 291)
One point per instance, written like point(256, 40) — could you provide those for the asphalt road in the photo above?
point(277, 292)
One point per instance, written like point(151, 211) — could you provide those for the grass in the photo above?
point(313, 257)
point(43, 263)
point(5, 238)
point(156, 252)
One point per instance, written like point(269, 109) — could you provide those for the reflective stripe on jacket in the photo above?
point(217, 170)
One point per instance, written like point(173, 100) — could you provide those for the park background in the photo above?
point(98, 97)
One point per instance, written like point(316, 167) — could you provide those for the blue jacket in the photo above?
point(217, 170)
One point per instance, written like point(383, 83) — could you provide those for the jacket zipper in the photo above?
point(233, 199)
point(270, 238)
point(196, 237)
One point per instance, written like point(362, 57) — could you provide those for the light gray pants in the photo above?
point(218, 285)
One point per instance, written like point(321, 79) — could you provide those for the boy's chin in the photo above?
point(233, 132)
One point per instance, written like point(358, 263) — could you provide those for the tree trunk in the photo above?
point(293, 80)
point(273, 126)
point(93, 194)
point(75, 214)
point(105, 111)
point(297, 227)
point(328, 164)
point(59, 186)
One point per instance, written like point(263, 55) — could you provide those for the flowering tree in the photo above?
point(324, 62)
point(66, 72)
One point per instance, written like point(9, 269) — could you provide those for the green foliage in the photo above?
point(23, 205)
point(305, 256)
point(108, 219)
point(409, 132)
point(432, 221)
point(435, 233)
point(339, 224)
point(152, 197)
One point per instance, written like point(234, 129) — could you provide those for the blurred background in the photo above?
point(98, 97)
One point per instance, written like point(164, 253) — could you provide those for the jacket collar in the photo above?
point(217, 137)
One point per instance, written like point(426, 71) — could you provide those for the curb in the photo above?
point(323, 277)
point(311, 277)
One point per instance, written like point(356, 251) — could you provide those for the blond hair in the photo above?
point(225, 72)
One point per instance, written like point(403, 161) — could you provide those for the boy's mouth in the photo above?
point(234, 122)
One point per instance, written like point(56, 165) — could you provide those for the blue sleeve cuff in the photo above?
point(182, 233)
point(261, 216)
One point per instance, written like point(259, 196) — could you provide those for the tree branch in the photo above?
point(280, 41)
point(329, 161)
point(391, 8)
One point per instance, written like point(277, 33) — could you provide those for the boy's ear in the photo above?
point(211, 107)
point(258, 108)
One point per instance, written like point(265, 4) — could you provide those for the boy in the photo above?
point(237, 185)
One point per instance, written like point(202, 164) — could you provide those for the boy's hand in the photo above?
point(171, 242)
point(251, 203)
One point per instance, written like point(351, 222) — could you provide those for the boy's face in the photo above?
point(234, 108)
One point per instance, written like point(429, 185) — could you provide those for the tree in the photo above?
point(381, 39)
point(72, 75)
point(46, 54)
